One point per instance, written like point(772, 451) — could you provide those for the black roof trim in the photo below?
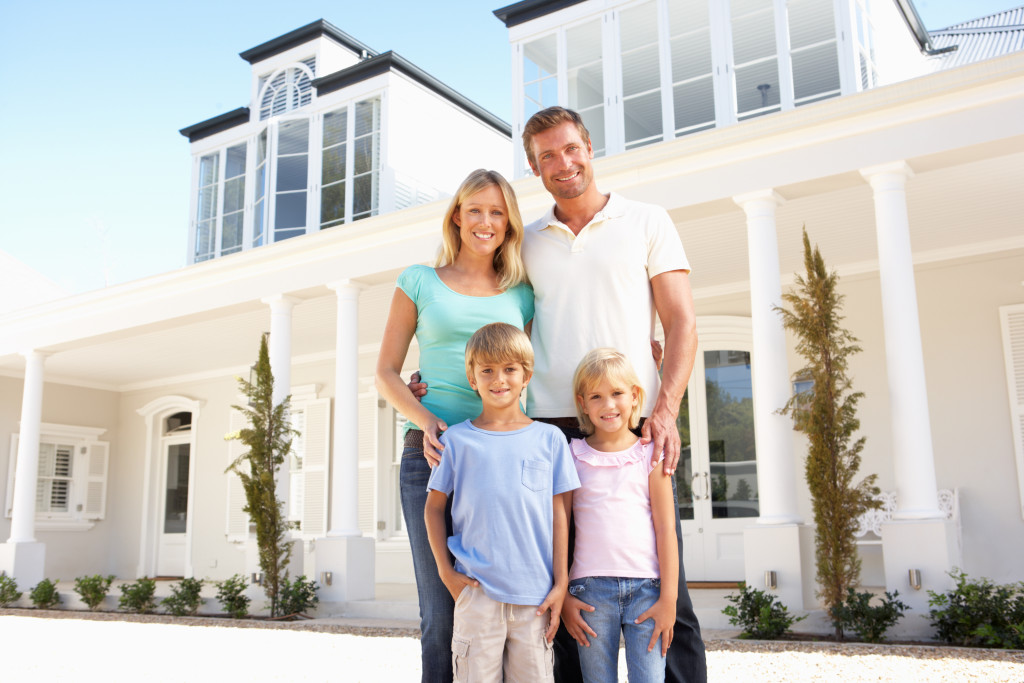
point(522, 12)
point(382, 63)
point(217, 124)
point(304, 34)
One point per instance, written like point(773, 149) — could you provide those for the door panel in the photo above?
point(173, 526)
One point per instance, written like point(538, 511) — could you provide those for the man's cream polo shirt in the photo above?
point(593, 290)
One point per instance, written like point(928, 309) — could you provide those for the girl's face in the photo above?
point(608, 405)
point(482, 219)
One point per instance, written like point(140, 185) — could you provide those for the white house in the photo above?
point(747, 119)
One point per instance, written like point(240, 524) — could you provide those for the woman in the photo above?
point(478, 279)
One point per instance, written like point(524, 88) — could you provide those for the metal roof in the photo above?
point(980, 39)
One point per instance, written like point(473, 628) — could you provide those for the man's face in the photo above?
point(562, 160)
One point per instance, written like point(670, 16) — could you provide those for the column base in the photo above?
point(930, 546)
point(787, 550)
point(350, 560)
point(25, 561)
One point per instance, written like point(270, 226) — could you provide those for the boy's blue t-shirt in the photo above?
point(445, 320)
point(501, 485)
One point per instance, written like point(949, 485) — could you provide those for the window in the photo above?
point(585, 75)
point(291, 178)
point(350, 172)
point(813, 50)
point(754, 57)
point(287, 89)
point(221, 203)
point(71, 479)
point(864, 30)
point(693, 88)
point(641, 75)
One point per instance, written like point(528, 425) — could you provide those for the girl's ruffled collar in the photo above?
point(582, 451)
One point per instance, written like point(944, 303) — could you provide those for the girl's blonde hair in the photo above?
point(600, 364)
point(508, 262)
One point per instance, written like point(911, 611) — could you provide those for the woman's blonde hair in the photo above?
point(499, 343)
point(508, 262)
point(605, 363)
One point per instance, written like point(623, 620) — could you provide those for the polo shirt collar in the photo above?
point(615, 208)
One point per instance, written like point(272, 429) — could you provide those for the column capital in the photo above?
point(30, 354)
point(884, 174)
point(346, 285)
point(750, 201)
point(280, 301)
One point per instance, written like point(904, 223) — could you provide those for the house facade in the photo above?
point(748, 121)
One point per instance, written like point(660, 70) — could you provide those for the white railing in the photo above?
point(869, 524)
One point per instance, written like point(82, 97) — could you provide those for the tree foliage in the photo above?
point(269, 440)
point(826, 413)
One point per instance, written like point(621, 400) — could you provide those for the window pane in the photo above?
point(640, 71)
point(694, 104)
point(540, 64)
point(335, 127)
point(365, 154)
point(234, 194)
point(366, 117)
point(334, 164)
point(291, 211)
point(293, 137)
point(332, 204)
point(235, 165)
point(231, 233)
point(757, 86)
point(364, 196)
point(815, 71)
point(684, 471)
point(291, 173)
point(593, 119)
point(204, 240)
point(730, 407)
point(586, 79)
point(639, 27)
point(176, 490)
point(643, 118)
point(208, 166)
point(753, 31)
point(810, 22)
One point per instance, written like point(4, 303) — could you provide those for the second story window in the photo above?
point(287, 89)
point(220, 210)
point(350, 163)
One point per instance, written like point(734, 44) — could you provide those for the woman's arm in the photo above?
point(437, 534)
point(664, 610)
point(394, 347)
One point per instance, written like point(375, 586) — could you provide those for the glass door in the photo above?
point(175, 493)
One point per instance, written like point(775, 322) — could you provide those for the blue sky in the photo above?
point(94, 176)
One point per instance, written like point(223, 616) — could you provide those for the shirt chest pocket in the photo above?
point(537, 475)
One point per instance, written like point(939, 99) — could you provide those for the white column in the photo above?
point(344, 520)
point(23, 514)
point(773, 433)
point(913, 460)
point(280, 350)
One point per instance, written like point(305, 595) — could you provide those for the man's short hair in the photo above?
point(499, 343)
point(549, 118)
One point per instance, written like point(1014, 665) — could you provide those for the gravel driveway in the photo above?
point(75, 646)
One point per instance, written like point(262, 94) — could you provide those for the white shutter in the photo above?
point(237, 519)
point(368, 463)
point(94, 480)
point(12, 462)
point(1012, 319)
point(317, 437)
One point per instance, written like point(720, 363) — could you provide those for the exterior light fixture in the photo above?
point(771, 579)
point(914, 576)
point(257, 578)
point(325, 578)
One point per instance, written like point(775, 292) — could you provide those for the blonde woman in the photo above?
point(479, 278)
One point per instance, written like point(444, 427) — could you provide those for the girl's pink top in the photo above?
point(612, 513)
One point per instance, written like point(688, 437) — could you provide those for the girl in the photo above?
point(626, 565)
point(478, 279)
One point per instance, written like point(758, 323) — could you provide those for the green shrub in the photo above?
point(297, 596)
point(93, 589)
point(869, 622)
point(760, 615)
point(138, 597)
point(230, 592)
point(9, 592)
point(45, 595)
point(184, 599)
point(979, 613)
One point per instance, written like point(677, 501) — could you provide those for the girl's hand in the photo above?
point(573, 620)
point(553, 602)
point(664, 614)
point(456, 582)
point(432, 445)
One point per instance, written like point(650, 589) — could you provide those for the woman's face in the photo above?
point(482, 219)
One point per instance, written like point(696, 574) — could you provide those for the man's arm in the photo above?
point(674, 302)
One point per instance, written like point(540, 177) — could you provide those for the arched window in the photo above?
point(287, 89)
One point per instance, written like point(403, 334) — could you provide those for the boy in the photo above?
point(508, 477)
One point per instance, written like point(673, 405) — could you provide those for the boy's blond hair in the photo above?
point(499, 343)
point(605, 363)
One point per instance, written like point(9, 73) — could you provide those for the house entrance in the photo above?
point(716, 480)
point(174, 495)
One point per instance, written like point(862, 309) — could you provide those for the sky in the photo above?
point(94, 175)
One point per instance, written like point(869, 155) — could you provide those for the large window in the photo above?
point(350, 172)
point(220, 209)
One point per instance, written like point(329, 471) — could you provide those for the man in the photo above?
point(601, 266)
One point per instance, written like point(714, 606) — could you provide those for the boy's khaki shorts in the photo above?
point(491, 638)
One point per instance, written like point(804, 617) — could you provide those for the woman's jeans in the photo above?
point(436, 605)
point(617, 603)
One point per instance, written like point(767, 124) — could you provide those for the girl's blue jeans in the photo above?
point(617, 603)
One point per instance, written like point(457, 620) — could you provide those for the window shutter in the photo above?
point(1012, 319)
point(368, 463)
point(97, 457)
point(12, 462)
point(315, 468)
point(237, 519)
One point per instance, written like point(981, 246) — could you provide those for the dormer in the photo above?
point(335, 132)
point(646, 71)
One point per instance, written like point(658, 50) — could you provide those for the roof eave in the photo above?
point(204, 129)
point(304, 34)
point(526, 10)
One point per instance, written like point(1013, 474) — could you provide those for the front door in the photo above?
point(716, 480)
point(174, 507)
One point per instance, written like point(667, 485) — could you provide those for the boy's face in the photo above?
point(499, 384)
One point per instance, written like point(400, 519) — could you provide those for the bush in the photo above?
point(230, 593)
point(297, 597)
point(8, 590)
point(979, 613)
point(184, 599)
point(45, 595)
point(869, 622)
point(93, 589)
point(760, 615)
point(138, 597)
